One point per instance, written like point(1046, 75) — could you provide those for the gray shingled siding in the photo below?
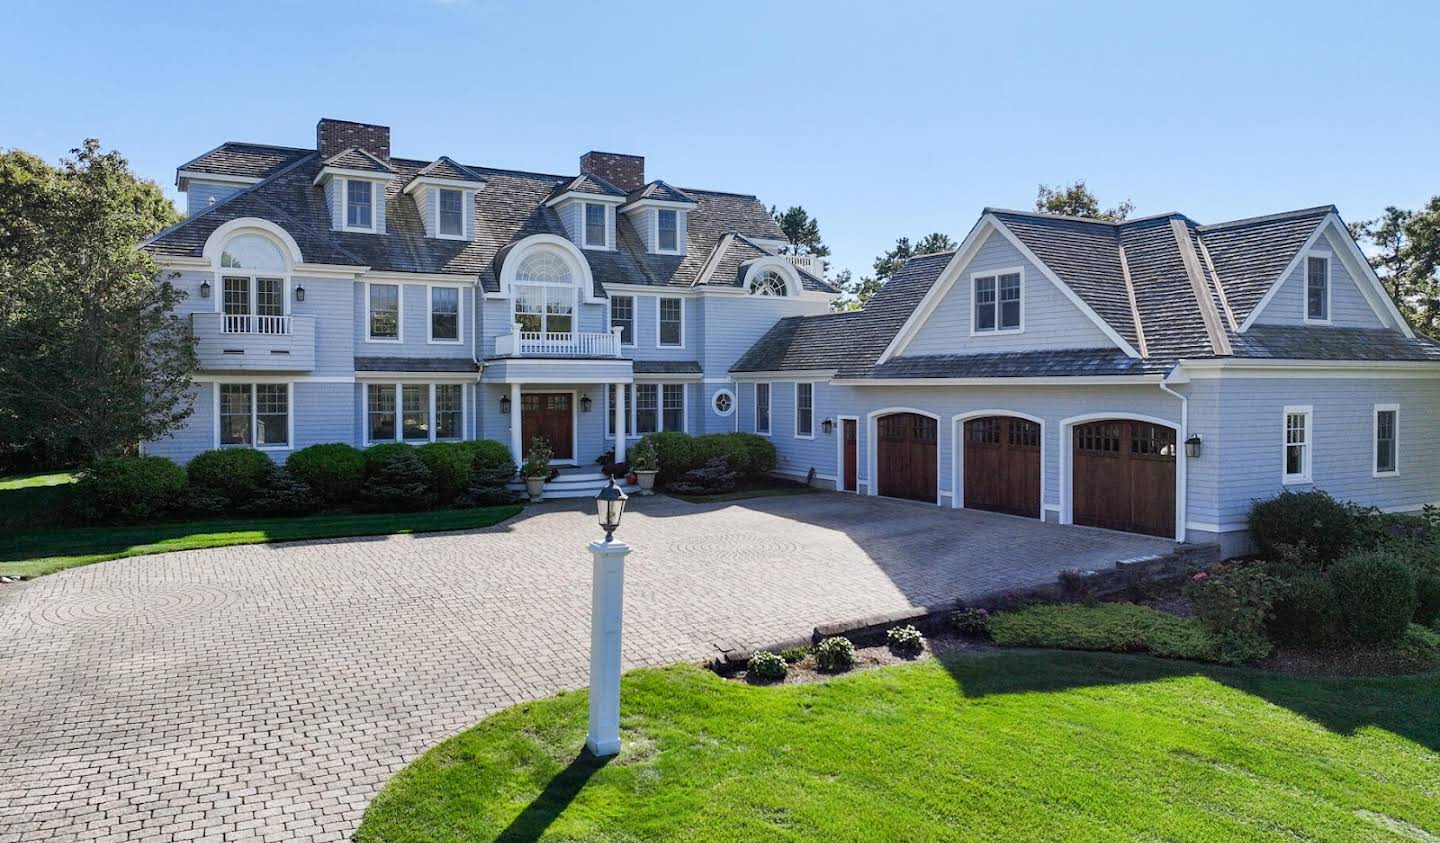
point(1348, 306)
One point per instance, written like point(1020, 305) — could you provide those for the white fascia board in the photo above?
point(1077, 380)
point(668, 377)
point(671, 204)
point(449, 184)
point(177, 262)
point(329, 270)
point(578, 196)
point(1373, 289)
point(794, 375)
point(182, 176)
point(342, 172)
point(391, 277)
point(1254, 368)
point(1279, 282)
point(450, 377)
point(652, 290)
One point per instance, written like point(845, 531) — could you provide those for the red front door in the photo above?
point(548, 415)
point(851, 446)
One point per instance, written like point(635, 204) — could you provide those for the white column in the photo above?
point(607, 597)
point(618, 423)
point(515, 426)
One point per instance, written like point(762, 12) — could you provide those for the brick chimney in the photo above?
point(335, 136)
point(626, 172)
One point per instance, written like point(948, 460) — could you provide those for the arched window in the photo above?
point(252, 286)
point(251, 251)
point(769, 283)
point(543, 268)
point(544, 294)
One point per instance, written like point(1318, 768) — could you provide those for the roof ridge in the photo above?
point(1298, 212)
point(364, 152)
point(245, 191)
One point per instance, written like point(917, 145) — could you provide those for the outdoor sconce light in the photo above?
point(828, 426)
point(1192, 446)
point(504, 405)
point(204, 289)
point(300, 293)
point(610, 505)
point(585, 403)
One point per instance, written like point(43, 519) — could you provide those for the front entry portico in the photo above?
point(564, 401)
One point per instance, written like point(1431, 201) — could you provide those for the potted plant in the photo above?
point(644, 464)
point(536, 469)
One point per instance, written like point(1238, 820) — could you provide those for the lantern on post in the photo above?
point(607, 593)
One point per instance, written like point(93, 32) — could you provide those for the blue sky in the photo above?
point(882, 119)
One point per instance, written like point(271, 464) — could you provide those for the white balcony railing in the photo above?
point(246, 324)
point(810, 263)
point(520, 343)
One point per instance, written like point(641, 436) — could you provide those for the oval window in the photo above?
point(724, 402)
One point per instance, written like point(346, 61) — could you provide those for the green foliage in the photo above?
point(1376, 594)
point(537, 462)
point(1306, 611)
point(95, 358)
point(1427, 595)
point(452, 467)
point(1407, 259)
point(397, 480)
point(675, 452)
point(767, 667)
point(492, 469)
point(972, 623)
point(751, 455)
point(280, 493)
point(1118, 627)
point(905, 640)
point(801, 230)
point(377, 456)
point(1076, 200)
point(856, 294)
point(1420, 646)
point(233, 473)
point(129, 488)
point(334, 471)
point(489, 454)
point(715, 477)
point(1233, 599)
point(642, 456)
point(793, 655)
point(1311, 517)
point(835, 655)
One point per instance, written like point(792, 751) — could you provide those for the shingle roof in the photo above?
point(356, 158)
point(446, 168)
point(660, 191)
point(1250, 254)
point(249, 160)
point(1316, 342)
point(414, 364)
point(667, 367)
point(1020, 364)
point(587, 183)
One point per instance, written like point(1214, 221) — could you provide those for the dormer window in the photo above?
point(595, 226)
point(768, 283)
point(1317, 289)
point(997, 303)
point(667, 229)
point(359, 206)
point(452, 219)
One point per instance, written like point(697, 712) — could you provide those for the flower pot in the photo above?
point(646, 481)
point(536, 487)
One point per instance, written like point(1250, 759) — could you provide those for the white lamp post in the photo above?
point(607, 596)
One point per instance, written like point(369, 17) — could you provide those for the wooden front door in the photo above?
point(1124, 476)
point(850, 438)
point(905, 456)
point(1002, 465)
point(550, 416)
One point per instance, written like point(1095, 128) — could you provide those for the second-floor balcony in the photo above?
point(519, 343)
point(252, 343)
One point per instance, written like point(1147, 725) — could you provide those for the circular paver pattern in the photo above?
point(267, 692)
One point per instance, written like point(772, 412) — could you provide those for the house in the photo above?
point(1155, 376)
point(342, 293)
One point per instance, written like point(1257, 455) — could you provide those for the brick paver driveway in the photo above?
point(269, 691)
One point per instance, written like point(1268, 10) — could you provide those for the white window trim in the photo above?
point(769, 408)
point(795, 410)
point(684, 407)
point(585, 225)
point(715, 396)
point(1305, 287)
point(629, 410)
point(430, 404)
point(634, 321)
point(975, 330)
point(254, 421)
point(465, 219)
point(1307, 476)
point(399, 312)
point(658, 343)
point(655, 231)
point(1375, 440)
point(254, 276)
point(375, 206)
point(544, 310)
point(430, 315)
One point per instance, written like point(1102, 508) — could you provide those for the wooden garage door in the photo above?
point(1002, 465)
point(905, 456)
point(1124, 476)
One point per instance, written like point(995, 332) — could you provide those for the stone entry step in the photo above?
point(576, 482)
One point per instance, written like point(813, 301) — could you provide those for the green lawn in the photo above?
point(1014, 745)
point(32, 552)
point(745, 494)
point(28, 498)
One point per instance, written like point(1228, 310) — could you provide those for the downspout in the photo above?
point(475, 340)
point(1182, 479)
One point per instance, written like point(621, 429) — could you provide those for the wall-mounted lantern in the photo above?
point(828, 426)
point(585, 403)
point(1192, 446)
point(504, 405)
point(204, 289)
point(300, 293)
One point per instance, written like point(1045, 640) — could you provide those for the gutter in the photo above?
point(1181, 461)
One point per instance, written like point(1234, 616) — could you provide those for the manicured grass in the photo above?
point(1119, 627)
point(28, 498)
point(30, 553)
point(745, 494)
point(1014, 745)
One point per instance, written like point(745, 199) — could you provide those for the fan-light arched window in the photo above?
point(769, 283)
point(543, 268)
point(251, 251)
point(252, 286)
point(544, 294)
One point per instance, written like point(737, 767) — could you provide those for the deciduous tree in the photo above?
point(1076, 200)
point(858, 293)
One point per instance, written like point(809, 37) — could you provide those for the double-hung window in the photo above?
point(1299, 436)
point(610, 410)
point(254, 414)
point(762, 408)
point(657, 407)
point(1387, 440)
point(622, 316)
point(543, 309)
point(444, 314)
point(1317, 289)
point(596, 226)
point(451, 217)
point(647, 408)
point(805, 410)
point(672, 322)
point(673, 398)
point(667, 231)
point(997, 302)
point(414, 412)
point(253, 304)
point(359, 204)
point(384, 317)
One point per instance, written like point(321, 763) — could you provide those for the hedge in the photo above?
point(334, 471)
point(233, 473)
point(129, 488)
point(678, 453)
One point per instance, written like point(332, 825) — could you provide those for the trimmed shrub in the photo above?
point(715, 477)
point(1305, 608)
point(334, 471)
point(972, 623)
point(1312, 517)
point(675, 453)
point(905, 640)
point(397, 481)
point(1117, 627)
point(1427, 596)
point(280, 493)
point(451, 467)
point(1376, 595)
point(376, 456)
point(235, 473)
point(792, 655)
point(1233, 599)
point(1420, 646)
point(750, 455)
point(489, 454)
point(491, 470)
point(129, 488)
point(766, 667)
point(835, 655)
